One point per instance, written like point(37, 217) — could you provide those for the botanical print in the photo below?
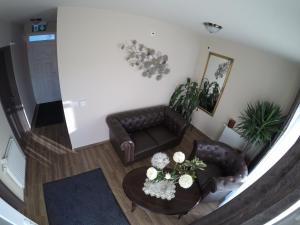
point(222, 69)
point(151, 62)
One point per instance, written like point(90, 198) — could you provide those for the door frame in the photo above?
point(15, 120)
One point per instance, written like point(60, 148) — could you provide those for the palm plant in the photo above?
point(185, 99)
point(259, 122)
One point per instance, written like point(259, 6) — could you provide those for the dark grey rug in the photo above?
point(84, 199)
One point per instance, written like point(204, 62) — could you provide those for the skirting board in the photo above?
point(90, 146)
point(105, 141)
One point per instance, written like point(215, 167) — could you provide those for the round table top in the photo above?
point(184, 201)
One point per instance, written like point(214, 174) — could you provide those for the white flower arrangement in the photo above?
point(184, 172)
point(185, 181)
point(179, 157)
point(160, 160)
point(168, 176)
point(151, 173)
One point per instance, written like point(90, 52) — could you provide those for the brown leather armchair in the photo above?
point(139, 133)
point(225, 170)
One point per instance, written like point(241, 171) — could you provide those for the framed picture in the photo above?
point(213, 82)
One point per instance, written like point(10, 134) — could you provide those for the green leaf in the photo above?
point(185, 99)
point(260, 122)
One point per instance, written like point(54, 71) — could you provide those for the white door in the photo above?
point(10, 216)
point(42, 57)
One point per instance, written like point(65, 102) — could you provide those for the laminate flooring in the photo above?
point(50, 158)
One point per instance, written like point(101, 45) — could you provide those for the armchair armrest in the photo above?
point(120, 139)
point(175, 122)
point(228, 183)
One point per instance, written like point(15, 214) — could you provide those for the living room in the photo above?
point(97, 79)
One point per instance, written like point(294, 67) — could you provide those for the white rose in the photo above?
point(179, 157)
point(185, 181)
point(151, 173)
point(168, 176)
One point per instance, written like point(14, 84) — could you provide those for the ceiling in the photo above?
point(272, 25)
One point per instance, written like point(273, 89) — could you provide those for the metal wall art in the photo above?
point(151, 62)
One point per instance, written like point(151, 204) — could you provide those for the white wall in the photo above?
point(5, 134)
point(21, 70)
point(7, 34)
point(255, 75)
point(14, 33)
point(92, 67)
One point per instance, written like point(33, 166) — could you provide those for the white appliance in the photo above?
point(230, 137)
point(14, 163)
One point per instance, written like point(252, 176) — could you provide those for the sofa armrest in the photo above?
point(120, 139)
point(175, 122)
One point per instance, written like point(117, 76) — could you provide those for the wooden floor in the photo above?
point(50, 158)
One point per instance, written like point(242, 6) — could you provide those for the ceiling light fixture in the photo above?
point(212, 27)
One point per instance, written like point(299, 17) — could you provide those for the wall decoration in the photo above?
point(151, 62)
point(216, 73)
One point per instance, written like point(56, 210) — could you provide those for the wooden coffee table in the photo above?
point(184, 201)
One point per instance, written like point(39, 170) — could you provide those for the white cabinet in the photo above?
point(230, 137)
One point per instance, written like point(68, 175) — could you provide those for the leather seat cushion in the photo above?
point(161, 134)
point(206, 177)
point(143, 142)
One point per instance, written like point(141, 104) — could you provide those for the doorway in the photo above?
point(42, 59)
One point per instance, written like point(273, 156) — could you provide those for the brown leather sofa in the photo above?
point(139, 133)
point(225, 170)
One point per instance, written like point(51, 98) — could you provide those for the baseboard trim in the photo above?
point(106, 141)
point(91, 145)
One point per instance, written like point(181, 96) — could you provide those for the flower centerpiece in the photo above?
point(161, 181)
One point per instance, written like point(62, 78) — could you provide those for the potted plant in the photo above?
point(259, 123)
point(209, 95)
point(185, 99)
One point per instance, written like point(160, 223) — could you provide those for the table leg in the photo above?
point(133, 206)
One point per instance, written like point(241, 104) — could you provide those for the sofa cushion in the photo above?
point(143, 142)
point(161, 134)
point(207, 177)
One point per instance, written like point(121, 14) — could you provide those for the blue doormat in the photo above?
point(84, 199)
